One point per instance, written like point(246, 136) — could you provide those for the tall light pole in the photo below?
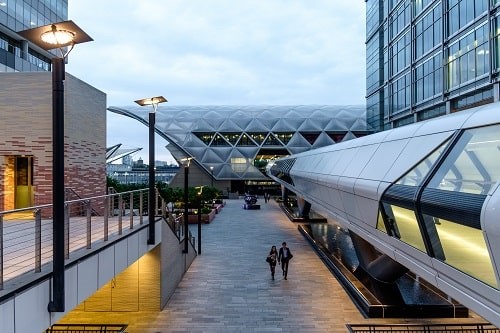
point(186, 161)
point(154, 101)
point(212, 176)
point(199, 218)
point(62, 36)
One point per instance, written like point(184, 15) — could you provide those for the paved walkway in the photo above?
point(228, 288)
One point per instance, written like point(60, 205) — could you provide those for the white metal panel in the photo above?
point(450, 122)
point(486, 114)
point(132, 248)
point(416, 150)
point(120, 257)
point(28, 317)
point(7, 316)
point(367, 210)
point(346, 184)
point(381, 162)
point(87, 277)
point(366, 188)
point(106, 266)
point(381, 189)
point(467, 289)
point(343, 161)
point(349, 203)
point(360, 160)
point(403, 132)
point(71, 288)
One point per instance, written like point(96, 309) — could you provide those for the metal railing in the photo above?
point(81, 328)
point(26, 234)
point(427, 328)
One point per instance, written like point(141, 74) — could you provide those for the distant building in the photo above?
point(231, 145)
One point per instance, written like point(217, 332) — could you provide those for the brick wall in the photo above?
point(26, 129)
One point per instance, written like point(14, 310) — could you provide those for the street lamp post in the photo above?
point(199, 218)
point(154, 101)
point(212, 176)
point(57, 36)
point(186, 162)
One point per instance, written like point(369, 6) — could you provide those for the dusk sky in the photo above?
point(218, 52)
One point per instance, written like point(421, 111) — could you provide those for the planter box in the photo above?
point(205, 218)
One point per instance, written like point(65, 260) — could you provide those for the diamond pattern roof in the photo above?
point(229, 137)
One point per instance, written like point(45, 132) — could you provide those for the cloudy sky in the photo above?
point(218, 52)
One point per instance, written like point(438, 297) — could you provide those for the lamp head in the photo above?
point(56, 35)
point(151, 101)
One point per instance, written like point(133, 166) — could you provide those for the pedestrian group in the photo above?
point(282, 257)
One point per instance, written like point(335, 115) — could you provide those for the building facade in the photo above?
point(16, 54)
point(26, 113)
point(427, 58)
point(231, 145)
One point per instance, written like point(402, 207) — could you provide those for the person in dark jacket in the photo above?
point(284, 257)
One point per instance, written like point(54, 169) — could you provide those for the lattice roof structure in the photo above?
point(232, 138)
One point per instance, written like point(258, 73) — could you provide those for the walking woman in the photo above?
point(271, 259)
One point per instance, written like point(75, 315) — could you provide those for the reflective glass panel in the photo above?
point(415, 176)
point(473, 165)
point(465, 249)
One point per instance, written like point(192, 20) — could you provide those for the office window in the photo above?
point(428, 31)
point(401, 93)
point(401, 53)
point(468, 57)
point(400, 18)
point(496, 39)
point(428, 78)
point(419, 5)
point(462, 12)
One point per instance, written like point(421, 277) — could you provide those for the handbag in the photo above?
point(268, 259)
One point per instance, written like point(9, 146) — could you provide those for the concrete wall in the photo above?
point(26, 129)
point(174, 263)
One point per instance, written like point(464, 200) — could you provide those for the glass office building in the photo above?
point(428, 58)
point(17, 15)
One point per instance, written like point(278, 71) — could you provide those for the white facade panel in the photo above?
point(71, 287)
point(106, 267)
point(368, 210)
point(415, 151)
point(120, 257)
point(366, 188)
point(6, 315)
point(31, 319)
point(87, 277)
point(443, 124)
point(381, 162)
point(132, 248)
point(360, 160)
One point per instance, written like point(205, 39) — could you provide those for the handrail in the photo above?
point(427, 328)
point(26, 233)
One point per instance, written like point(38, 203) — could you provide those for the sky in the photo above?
point(218, 52)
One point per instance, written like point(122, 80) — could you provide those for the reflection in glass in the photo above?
point(415, 176)
point(465, 249)
point(473, 165)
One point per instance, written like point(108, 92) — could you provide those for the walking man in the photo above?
point(284, 257)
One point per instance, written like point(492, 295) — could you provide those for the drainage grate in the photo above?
point(82, 328)
point(418, 328)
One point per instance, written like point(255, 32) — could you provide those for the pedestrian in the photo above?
point(284, 257)
point(265, 197)
point(271, 259)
